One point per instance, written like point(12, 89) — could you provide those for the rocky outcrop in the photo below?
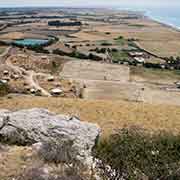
point(26, 127)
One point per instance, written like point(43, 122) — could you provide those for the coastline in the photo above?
point(149, 15)
point(168, 25)
point(163, 23)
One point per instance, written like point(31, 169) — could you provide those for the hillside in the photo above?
point(109, 115)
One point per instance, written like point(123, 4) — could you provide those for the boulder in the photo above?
point(27, 127)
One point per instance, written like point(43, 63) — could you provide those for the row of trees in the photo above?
point(60, 23)
point(78, 55)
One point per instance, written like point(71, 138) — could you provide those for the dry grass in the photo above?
point(110, 115)
point(14, 161)
point(2, 49)
point(162, 48)
point(156, 75)
point(154, 37)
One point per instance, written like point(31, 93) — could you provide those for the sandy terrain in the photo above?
point(105, 81)
point(89, 70)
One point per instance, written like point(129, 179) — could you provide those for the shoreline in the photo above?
point(162, 23)
point(150, 17)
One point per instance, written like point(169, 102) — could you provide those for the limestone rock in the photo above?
point(26, 127)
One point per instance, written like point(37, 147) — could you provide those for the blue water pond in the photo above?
point(31, 42)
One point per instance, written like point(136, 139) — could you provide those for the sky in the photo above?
point(93, 3)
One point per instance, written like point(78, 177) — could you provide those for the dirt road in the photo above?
point(29, 76)
point(32, 81)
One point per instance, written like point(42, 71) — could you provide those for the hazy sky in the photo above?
point(108, 3)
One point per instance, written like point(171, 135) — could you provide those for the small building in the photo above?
point(50, 78)
point(56, 92)
point(44, 57)
point(136, 54)
point(3, 81)
point(33, 91)
point(6, 78)
point(6, 72)
point(140, 59)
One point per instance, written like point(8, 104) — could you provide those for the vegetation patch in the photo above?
point(133, 153)
point(137, 25)
point(4, 89)
point(120, 56)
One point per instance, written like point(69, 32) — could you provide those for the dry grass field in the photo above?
point(162, 48)
point(151, 35)
point(158, 76)
point(14, 160)
point(19, 35)
point(109, 115)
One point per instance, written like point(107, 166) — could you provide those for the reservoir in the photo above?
point(31, 42)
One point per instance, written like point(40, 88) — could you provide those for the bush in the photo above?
point(106, 44)
point(60, 52)
point(119, 38)
point(133, 150)
point(4, 89)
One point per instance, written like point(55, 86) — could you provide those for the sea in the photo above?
point(167, 15)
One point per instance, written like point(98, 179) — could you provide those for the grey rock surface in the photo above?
point(26, 127)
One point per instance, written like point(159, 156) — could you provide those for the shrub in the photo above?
point(133, 150)
point(60, 52)
point(106, 44)
point(4, 89)
point(119, 38)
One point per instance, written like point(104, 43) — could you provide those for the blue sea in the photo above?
point(170, 16)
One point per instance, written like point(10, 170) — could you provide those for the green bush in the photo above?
point(133, 150)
